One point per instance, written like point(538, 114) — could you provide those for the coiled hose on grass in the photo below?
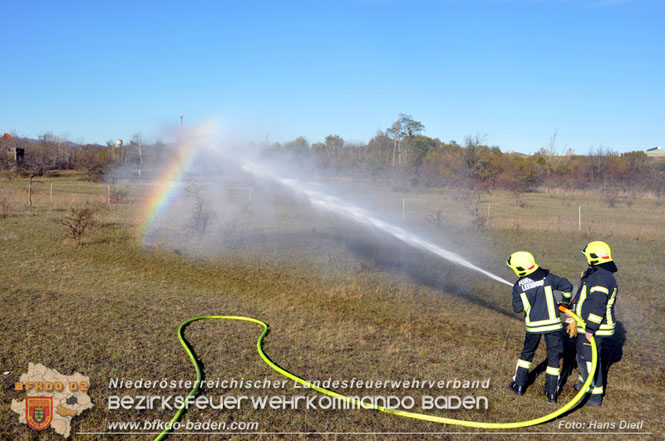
point(415, 415)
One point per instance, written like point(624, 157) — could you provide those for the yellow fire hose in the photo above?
point(359, 403)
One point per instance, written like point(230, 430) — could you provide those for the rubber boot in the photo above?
point(551, 395)
point(552, 387)
point(518, 385)
point(519, 390)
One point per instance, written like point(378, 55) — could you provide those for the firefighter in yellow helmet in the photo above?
point(594, 303)
point(533, 294)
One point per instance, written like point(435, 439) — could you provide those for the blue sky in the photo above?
point(593, 70)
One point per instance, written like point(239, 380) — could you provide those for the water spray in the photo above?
point(356, 214)
point(187, 156)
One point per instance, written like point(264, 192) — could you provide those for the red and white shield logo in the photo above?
point(39, 412)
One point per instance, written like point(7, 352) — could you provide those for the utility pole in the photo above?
point(181, 120)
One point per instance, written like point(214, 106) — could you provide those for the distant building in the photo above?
point(9, 146)
point(656, 152)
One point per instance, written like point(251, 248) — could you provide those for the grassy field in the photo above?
point(341, 303)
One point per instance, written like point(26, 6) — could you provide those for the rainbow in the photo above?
point(166, 190)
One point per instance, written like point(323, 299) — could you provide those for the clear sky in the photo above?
point(593, 70)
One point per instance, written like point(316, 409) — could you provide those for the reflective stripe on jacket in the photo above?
point(595, 301)
point(534, 296)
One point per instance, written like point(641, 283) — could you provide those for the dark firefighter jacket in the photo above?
point(533, 295)
point(595, 299)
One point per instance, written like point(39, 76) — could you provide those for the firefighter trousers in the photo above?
point(554, 350)
point(584, 366)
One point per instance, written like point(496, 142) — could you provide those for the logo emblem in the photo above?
point(39, 412)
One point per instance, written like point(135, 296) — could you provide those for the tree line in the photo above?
point(49, 154)
point(400, 154)
point(406, 157)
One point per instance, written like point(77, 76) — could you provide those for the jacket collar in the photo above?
point(538, 274)
point(610, 267)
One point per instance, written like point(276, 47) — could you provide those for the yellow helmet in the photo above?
point(597, 252)
point(522, 262)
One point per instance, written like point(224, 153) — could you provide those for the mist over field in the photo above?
point(235, 198)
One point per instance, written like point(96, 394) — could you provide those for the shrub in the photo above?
point(77, 223)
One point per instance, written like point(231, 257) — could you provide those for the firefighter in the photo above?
point(594, 303)
point(533, 294)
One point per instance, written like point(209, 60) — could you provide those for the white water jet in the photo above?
point(357, 214)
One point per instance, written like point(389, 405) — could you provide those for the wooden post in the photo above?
point(579, 218)
point(108, 194)
point(30, 191)
point(489, 206)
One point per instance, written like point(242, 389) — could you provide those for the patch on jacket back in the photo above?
point(527, 283)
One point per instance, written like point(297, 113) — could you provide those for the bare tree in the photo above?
point(77, 222)
point(404, 127)
point(396, 131)
point(334, 146)
point(201, 215)
point(554, 156)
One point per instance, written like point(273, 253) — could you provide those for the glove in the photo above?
point(571, 329)
point(566, 303)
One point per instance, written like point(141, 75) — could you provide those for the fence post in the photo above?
point(30, 191)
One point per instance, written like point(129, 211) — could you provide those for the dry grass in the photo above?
point(359, 307)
